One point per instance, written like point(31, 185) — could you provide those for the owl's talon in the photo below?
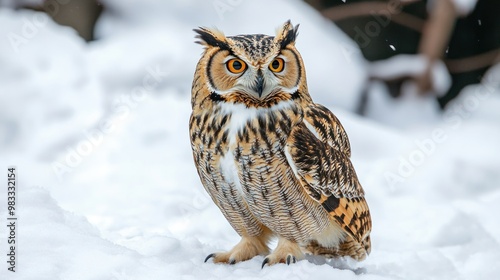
point(247, 248)
point(286, 252)
point(209, 256)
point(290, 259)
point(266, 260)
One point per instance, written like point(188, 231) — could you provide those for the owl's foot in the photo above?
point(246, 249)
point(286, 252)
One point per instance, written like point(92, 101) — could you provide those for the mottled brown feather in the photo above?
point(349, 247)
point(322, 161)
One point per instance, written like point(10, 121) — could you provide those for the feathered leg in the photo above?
point(247, 248)
point(286, 252)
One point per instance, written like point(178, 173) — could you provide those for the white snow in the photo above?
point(416, 108)
point(412, 65)
point(107, 187)
point(465, 6)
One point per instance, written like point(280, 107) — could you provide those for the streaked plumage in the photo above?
point(274, 162)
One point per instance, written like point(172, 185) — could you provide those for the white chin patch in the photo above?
point(241, 115)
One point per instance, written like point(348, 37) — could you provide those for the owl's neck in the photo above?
point(242, 119)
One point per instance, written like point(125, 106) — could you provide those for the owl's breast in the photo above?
point(254, 138)
point(255, 164)
point(240, 154)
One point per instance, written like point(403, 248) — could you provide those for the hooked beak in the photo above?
point(259, 84)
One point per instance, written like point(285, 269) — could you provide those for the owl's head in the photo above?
point(256, 70)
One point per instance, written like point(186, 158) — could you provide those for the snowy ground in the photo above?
point(107, 187)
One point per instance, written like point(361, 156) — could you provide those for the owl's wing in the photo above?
point(326, 127)
point(318, 151)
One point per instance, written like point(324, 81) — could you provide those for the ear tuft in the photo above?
point(211, 37)
point(287, 34)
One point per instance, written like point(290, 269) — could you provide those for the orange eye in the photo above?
point(277, 65)
point(236, 65)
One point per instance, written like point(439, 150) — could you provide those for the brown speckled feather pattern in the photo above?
point(269, 192)
point(349, 247)
point(320, 150)
point(277, 163)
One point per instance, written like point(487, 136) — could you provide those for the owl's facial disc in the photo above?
point(254, 80)
point(263, 78)
point(253, 69)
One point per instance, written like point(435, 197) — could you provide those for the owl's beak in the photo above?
point(259, 84)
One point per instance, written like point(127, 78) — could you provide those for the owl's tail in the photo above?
point(349, 247)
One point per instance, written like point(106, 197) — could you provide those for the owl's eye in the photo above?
point(236, 65)
point(277, 65)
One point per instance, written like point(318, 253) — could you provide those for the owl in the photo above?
point(275, 163)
